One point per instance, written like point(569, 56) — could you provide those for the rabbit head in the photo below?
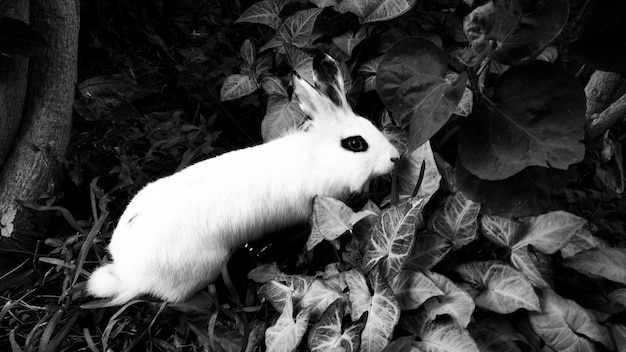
point(353, 147)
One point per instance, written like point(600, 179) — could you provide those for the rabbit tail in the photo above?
point(104, 283)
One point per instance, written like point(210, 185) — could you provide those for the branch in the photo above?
point(600, 122)
point(599, 89)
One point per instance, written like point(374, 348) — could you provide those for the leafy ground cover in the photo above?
point(501, 229)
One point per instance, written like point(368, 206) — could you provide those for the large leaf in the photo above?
point(393, 236)
point(608, 263)
point(457, 220)
point(411, 82)
point(282, 116)
point(328, 333)
point(445, 337)
point(540, 24)
point(525, 193)
point(455, 302)
point(539, 127)
point(388, 9)
point(331, 218)
point(319, 296)
point(295, 30)
point(582, 240)
point(349, 40)
point(361, 8)
point(547, 233)
point(413, 288)
point(286, 333)
point(381, 306)
point(236, 86)
point(428, 250)
point(300, 62)
point(563, 325)
point(291, 288)
point(264, 12)
point(498, 287)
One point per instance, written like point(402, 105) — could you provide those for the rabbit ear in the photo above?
point(328, 79)
point(311, 100)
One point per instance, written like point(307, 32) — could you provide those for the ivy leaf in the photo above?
point(272, 85)
point(563, 325)
point(543, 127)
point(393, 236)
point(522, 261)
point(282, 115)
point(537, 28)
point(291, 288)
point(550, 232)
point(318, 297)
point(349, 40)
point(328, 333)
point(412, 289)
point(389, 9)
point(286, 333)
point(445, 336)
point(381, 306)
point(455, 302)
point(457, 220)
point(295, 30)
point(331, 218)
point(263, 12)
point(19, 39)
point(500, 230)
point(361, 8)
point(499, 288)
point(582, 240)
point(236, 86)
point(411, 82)
point(428, 250)
point(608, 263)
point(247, 53)
point(300, 62)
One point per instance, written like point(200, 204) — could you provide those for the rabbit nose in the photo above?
point(394, 159)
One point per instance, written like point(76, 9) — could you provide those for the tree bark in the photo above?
point(13, 78)
point(32, 166)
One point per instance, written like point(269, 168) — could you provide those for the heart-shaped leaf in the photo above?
point(608, 263)
point(349, 40)
point(266, 273)
point(388, 9)
point(328, 333)
point(543, 127)
point(291, 288)
point(382, 317)
point(286, 333)
point(392, 238)
point(361, 8)
point(282, 115)
point(455, 302)
point(272, 85)
point(582, 240)
point(331, 218)
point(408, 169)
point(300, 62)
point(413, 288)
point(522, 261)
point(457, 220)
point(318, 297)
point(236, 86)
point(295, 30)
point(263, 12)
point(499, 287)
point(563, 324)
point(428, 250)
point(411, 82)
point(445, 337)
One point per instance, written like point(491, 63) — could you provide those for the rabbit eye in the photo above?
point(354, 144)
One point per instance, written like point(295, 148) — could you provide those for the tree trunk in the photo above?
point(32, 165)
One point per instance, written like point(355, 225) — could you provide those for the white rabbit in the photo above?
point(176, 233)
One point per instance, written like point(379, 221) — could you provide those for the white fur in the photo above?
point(175, 234)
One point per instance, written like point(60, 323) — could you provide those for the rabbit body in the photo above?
point(176, 233)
